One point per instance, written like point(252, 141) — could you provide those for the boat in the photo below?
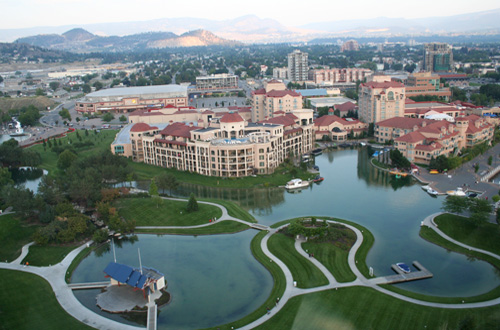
point(363, 144)
point(459, 192)
point(425, 188)
point(398, 173)
point(318, 179)
point(434, 172)
point(18, 132)
point(317, 152)
point(403, 267)
point(296, 183)
point(432, 192)
point(316, 167)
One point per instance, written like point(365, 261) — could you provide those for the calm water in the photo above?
point(28, 177)
point(213, 279)
point(390, 208)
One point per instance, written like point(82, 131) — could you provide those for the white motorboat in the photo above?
point(425, 188)
point(432, 192)
point(296, 183)
point(459, 192)
point(403, 267)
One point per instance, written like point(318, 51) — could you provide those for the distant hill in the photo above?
point(80, 40)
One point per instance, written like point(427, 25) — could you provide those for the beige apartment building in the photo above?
point(380, 99)
point(273, 100)
point(333, 76)
point(227, 147)
point(426, 84)
point(421, 139)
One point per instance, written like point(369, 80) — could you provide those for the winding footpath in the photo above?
point(55, 274)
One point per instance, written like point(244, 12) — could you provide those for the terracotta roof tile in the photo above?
point(411, 137)
point(142, 127)
point(178, 130)
point(231, 117)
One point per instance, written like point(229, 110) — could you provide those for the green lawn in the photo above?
point(303, 271)
point(102, 141)
point(333, 258)
point(13, 235)
point(47, 255)
point(169, 213)
point(365, 308)
point(27, 302)
point(482, 235)
point(222, 227)
point(234, 210)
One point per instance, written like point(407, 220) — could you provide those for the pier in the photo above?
point(90, 285)
point(421, 274)
point(259, 226)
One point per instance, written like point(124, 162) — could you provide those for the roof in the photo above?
point(131, 276)
point(140, 91)
point(142, 127)
point(411, 137)
point(178, 129)
point(429, 147)
point(344, 107)
point(327, 120)
point(231, 117)
point(261, 91)
point(402, 122)
point(179, 143)
point(286, 120)
point(275, 93)
point(385, 84)
point(312, 92)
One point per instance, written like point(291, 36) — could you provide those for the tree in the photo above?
point(371, 129)
point(39, 92)
point(1, 79)
point(64, 113)
point(455, 204)
point(98, 85)
point(54, 85)
point(86, 88)
point(480, 209)
point(123, 118)
point(192, 205)
point(399, 160)
point(107, 117)
point(66, 158)
point(5, 177)
point(166, 181)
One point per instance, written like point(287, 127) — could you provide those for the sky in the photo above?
point(31, 13)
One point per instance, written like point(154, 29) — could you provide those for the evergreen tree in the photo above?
point(192, 205)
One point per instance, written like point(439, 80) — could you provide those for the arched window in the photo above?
point(390, 96)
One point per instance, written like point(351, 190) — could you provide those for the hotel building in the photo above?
point(217, 82)
point(274, 99)
point(228, 146)
point(333, 76)
point(438, 57)
point(298, 66)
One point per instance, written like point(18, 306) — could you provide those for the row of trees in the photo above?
point(479, 209)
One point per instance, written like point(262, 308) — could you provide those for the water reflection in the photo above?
point(29, 177)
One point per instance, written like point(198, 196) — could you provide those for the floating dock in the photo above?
point(421, 274)
point(90, 285)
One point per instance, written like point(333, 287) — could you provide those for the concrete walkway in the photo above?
point(55, 275)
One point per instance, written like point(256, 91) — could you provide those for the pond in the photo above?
point(392, 209)
point(212, 279)
point(28, 177)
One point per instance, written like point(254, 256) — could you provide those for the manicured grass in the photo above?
point(27, 302)
point(14, 234)
point(234, 210)
point(365, 308)
point(303, 271)
point(223, 227)
point(102, 141)
point(279, 178)
point(146, 212)
point(47, 255)
point(333, 258)
point(277, 291)
point(483, 235)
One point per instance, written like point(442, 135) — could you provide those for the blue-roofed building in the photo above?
point(316, 92)
point(149, 280)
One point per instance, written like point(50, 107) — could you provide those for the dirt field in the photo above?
point(41, 102)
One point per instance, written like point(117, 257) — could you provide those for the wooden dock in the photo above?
point(152, 317)
point(90, 285)
point(421, 274)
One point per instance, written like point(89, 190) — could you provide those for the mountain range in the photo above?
point(252, 29)
point(80, 40)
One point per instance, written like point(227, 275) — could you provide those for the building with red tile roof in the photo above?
point(380, 99)
point(420, 139)
point(273, 98)
point(336, 128)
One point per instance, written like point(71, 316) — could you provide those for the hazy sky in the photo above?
point(30, 13)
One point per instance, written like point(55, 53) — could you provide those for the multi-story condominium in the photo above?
point(280, 73)
point(336, 128)
point(228, 147)
point(380, 98)
point(455, 79)
point(350, 45)
point(438, 57)
point(419, 140)
point(346, 75)
point(426, 83)
point(430, 109)
point(217, 82)
point(297, 66)
point(132, 98)
point(274, 99)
